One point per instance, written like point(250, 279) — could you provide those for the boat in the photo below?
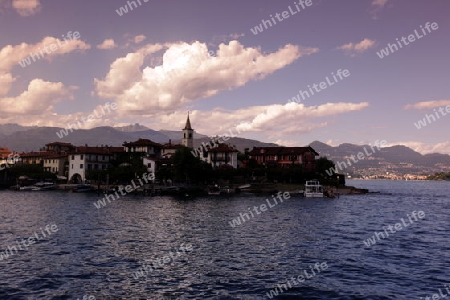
point(39, 186)
point(227, 190)
point(213, 190)
point(83, 188)
point(313, 189)
point(44, 186)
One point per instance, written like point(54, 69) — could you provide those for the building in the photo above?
point(220, 155)
point(144, 147)
point(283, 156)
point(34, 158)
point(169, 149)
point(84, 159)
point(188, 135)
point(59, 147)
point(57, 164)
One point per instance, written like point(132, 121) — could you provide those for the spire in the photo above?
point(188, 123)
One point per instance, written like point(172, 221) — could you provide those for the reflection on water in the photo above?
point(97, 251)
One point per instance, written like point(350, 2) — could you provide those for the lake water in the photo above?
point(92, 252)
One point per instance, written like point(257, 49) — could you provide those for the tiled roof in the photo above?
point(142, 143)
point(96, 150)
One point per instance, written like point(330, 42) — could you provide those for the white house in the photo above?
point(86, 158)
point(220, 155)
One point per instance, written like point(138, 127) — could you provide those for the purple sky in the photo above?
point(164, 58)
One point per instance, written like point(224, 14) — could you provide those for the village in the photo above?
point(218, 165)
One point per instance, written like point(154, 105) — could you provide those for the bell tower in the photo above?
point(188, 134)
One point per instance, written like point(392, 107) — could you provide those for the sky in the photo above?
point(158, 61)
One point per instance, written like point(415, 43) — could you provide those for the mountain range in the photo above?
point(395, 159)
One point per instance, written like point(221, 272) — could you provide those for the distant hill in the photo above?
point(132, 128)
point(398, 159)
point(20, 138)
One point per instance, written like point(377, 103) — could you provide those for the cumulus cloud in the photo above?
point(40, 95)
point(377, 6)
point(379, 3)
point(26, 8)
point(357, 48)
point(38, 98)
point(427, 104)
point(275, 121)
point(107, 44)
point(10, 56)
point(188, 73)
point(139, 38)
point(426, 148)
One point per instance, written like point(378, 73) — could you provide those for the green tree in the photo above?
point(322, 165)
point(189, 168)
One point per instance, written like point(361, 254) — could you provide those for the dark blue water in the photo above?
point(95, 252)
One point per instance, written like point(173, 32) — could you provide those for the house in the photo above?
point(153, 163)
point(84, 159)
point(283, 156)
point(144, 147)
point(34, 158)
point(169, 149)
point(59, 147)
point(57, 164)
point(8, 158)
point(222, 154)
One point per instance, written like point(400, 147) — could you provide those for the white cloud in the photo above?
point(188, 73)
point(427, 104)
point(26, 7)
point(139, 38)
point(276, 122)
point(426, 148)
point(107, 44)
point(379, 3)
point(6, 80)
point(377, 6)
point(40, 97)
point(10, 56)
point(356, 48)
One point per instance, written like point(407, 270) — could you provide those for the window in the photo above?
point(81, 156)
point(81, 166)
point(73, 157)
point(72, 166)
point(149, 165)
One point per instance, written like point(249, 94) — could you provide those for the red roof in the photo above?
point(142, 143)
point(60, 144)
point(36, 154)
point(97, 150)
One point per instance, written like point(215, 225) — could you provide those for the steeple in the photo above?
point(188, 134)
point(188, 123)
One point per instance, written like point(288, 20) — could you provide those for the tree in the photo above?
point(189, 168)
point(323, 165)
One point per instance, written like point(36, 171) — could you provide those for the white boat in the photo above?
point(44, 186)
point(313, 189)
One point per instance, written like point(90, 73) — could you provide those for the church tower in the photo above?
point(188, 134)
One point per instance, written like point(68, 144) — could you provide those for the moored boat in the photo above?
point(44, 186)
point(313, 189)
